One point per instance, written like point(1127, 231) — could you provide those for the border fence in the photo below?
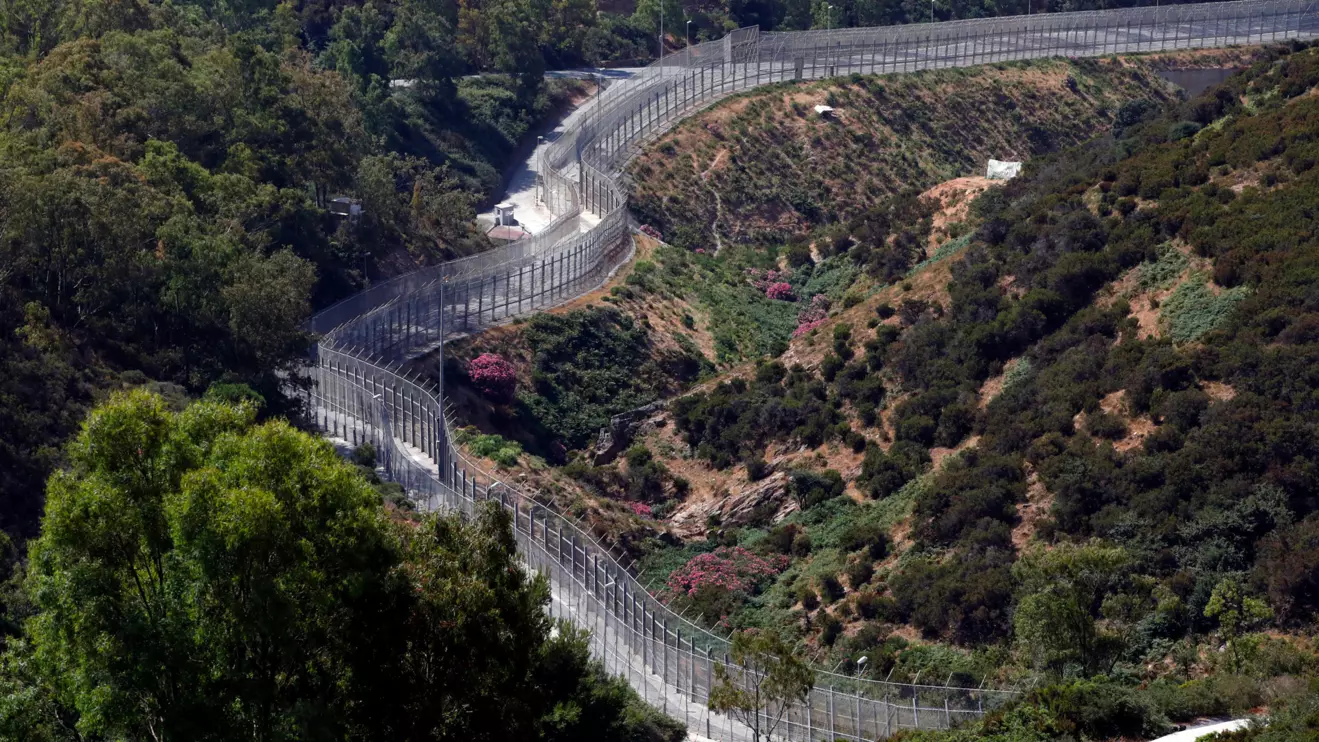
point(361, 393)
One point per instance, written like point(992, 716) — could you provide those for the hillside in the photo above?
point(1060, 432)
point(764, 166)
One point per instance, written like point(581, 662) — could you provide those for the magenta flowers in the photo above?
point(494, 376)
point(727, 569)
point(812, 315)
point(780, 290)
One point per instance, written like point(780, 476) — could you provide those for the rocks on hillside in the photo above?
point(622, 429)
point(690, 519)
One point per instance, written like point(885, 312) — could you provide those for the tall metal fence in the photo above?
point(360, 391)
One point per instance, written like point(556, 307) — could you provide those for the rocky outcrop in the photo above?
point(746, 506)
point(622, 429)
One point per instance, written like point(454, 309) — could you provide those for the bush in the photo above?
point(757, 469)
point(830, 629)
point(801, 544)
point(493, 376)
point(810, 489)
point(503, 452)
point(830, 588)
point(809, 600)
point(876, 607)
point(1182, 130)
point(1103, 710)
point(1103, 425)
point(859, 573)
point(867, 536)
point(715, 583)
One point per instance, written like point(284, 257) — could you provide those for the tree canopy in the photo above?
point(200, 576)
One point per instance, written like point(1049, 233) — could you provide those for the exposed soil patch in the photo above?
point(954, 197)
point(1039, 501)
point(1218, 390)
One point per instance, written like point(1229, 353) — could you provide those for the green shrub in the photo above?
point(830, 588)
point(1193, 309)
point(757, 469)
point(859, 573)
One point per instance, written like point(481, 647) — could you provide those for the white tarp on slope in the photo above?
point(1190, 735)
point(1000, 170)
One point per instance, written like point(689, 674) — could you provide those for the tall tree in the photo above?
point(764, 680)
point(202, 577)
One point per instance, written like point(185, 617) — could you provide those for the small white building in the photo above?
point(504, 215)
point(824, 112)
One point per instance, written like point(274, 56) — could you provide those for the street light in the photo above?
point(829, 18)
point(689, 32)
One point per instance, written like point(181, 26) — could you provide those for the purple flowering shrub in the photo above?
point(493, 376)
point(713, 584)
point(780, 290)
point(812, 315)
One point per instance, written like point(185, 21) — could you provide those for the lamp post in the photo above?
point(829, 18)
point(661, 37)
point(689, 32)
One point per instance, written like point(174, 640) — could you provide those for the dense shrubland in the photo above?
point(1122, 364)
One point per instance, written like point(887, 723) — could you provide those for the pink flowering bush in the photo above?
point(806, 328)
point(716, 582)
point(641, 508)
point(781, 291)
point(764, 279)
point(493, 376)
point(812, 315)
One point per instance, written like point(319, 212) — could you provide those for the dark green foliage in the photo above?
point(807, 596)
point(867, 536)
point(223, 580)
point(737, 419)
point(1289, 565)
point(965, 598)
point(757, 469)
point(830, 629)
point(809, 488)
point(830, 589)
point(882, 473)
point(588, 365)
point(165, 191)
point(859, 573)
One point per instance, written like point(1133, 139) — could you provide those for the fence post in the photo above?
point(664, 661)
point(832, 725)
point(709, 687)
